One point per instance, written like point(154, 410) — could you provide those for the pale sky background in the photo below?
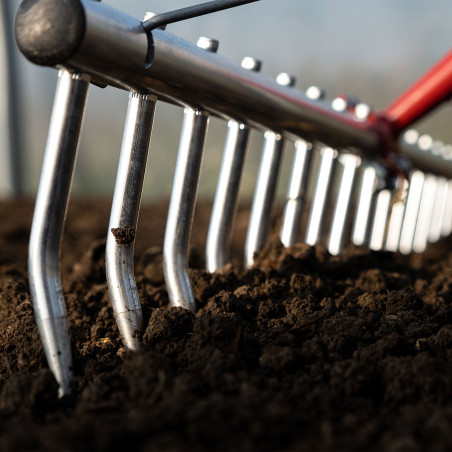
point(372, 49)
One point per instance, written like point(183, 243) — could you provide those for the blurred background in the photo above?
point(372, 49)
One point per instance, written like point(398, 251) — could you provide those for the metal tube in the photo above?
point(382, 205)
point(295, 202)
point(114, 48)
point(416, 185)
point(425, 214)
point(226, 197)
point(48, 223)
point(264, 194)
point(11, 180)
point(366, 188)
point(396, 219)
point(439, 209)
point(319, 201)
point(181, 208)
point(124, 217)
point(336, 237)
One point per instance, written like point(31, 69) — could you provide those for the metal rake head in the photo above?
point(350, 175)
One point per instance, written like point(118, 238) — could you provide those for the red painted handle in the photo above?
point(428, 92)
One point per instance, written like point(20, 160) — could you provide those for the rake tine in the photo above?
point(439, 209)
point(349, 165)
point(263, 195)
point(396, 219)
point(181, 208)
point(295, 200)
point(124, 217)
point(371, 175)
point(324, 176)
point(225, 203)
point(266, 184)
point(296, 193)
point(425, 213)
point(226, 196)
point(382, 206)
point(48, 224)
point(416, 185)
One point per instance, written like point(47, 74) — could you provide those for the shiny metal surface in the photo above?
point(416, 185)
point(425, 214)
point(439, 210)
point(367, 185)
point(181, 208)
point(295, 201)
point(48, 223)
point(446, 225)
point(264, 194)
point(124, 214)
point(377, 234)
point(11, 178)
point(348, 164)
point(115, 49)
point(226, 197)
point(319, 201)
point(396, 218)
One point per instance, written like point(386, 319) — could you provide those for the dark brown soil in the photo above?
point(303, 352)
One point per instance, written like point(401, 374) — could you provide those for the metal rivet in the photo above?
point(285, 79)
point(209, 44)
point(315, 93)
point(251, 64)
point(425, 142)
point(411, 136)
point(362, 111)
point(339, 104)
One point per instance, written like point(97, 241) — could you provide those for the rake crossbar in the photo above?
point(112, 48)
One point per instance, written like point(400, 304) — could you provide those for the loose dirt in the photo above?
point(305, 351)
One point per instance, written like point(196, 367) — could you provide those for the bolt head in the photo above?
point(425, 142)
point(362, 111)
point(251, 64)
point(411, 136)
point(315, 93)
point(285, 79)
point(209, 44)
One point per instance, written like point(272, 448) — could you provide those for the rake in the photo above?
point(358, 176)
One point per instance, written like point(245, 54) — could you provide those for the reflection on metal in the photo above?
point(378, 231)
point(181, 208)
point(295, 201)
point(396, 218)
point(124, 216)
point(314, 226)
point(425, 214)
point(416, 184)
point(439, 210)
point(348, 164)
point(48, 223)
point(264, 194)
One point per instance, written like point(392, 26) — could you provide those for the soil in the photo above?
point(304, 351)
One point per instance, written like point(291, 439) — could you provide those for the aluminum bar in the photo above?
point(124, 217)
point(181, 208)
point(48, 223)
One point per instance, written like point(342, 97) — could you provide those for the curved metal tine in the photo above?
point(370, 177)
point(48, 224)
point(425, 214)
point(264, 194)
point(124, 217)
point(320, 195)
point(349, 164)
point(396, 218)
point(439, 207)
point(296, 192)
point(226, 197)
point(11, 179)
point(295, 200)
point(446, 224)
point(380, 219)
point(415, 188)
point(181, 208)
